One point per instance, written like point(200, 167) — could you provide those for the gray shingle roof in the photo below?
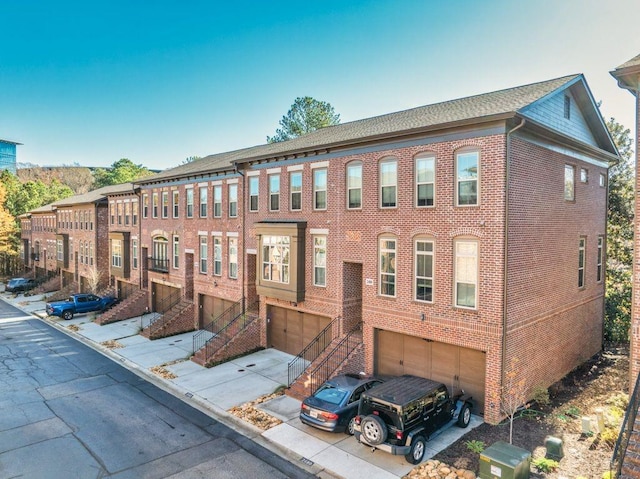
point(634, 62)
point(94, 195)
point(471, 108)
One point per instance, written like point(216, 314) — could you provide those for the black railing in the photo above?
point(165, 305)
point(160, 265)
point(214, 327)
point(620, 449)
point(311, 351)
point(335, 358)
point(125, 290)
point(229, 331)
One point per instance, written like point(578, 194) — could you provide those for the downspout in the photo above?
point(506, 252)
point(244, 245)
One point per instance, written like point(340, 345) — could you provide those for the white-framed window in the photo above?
point(134, 253)
point(423, 289)
point(466, 273)
point(176, 252)
point(354, 185)
point(134, 213)
point(127, 214)
point(160, 258)
point(233, 258)
point(120, 209)
point(233, 200)
point(387, 266)
point(154, 205)
point(425, 175)
point(320, 189)
point(203, 254)
point(582, 247)
point(254, 191)
point(295, 190)
point(276, 251)
point(165, 204)
point(81, 251)
point(467, 175)
point(217, 256)
point(388, 183)
point(176, 203)
point(603, 180)
point(59, 250)
point(569, 182)
point(91, 254)
point(319, 260)
point(203, 201)
point(599, 259)
point(145, 205)
point(584, 175)
point(189, 192)
point(116, 253)
point(112, 212)
point(274, 192)
point(217, 201)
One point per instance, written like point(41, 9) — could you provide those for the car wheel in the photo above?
point(67, 315)
point(416, 453)
point(351, 426)
point(374, 430)
point(465, 416)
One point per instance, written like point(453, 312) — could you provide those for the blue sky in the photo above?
point(91, 82)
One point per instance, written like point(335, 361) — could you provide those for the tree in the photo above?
point(190, 159)
point(8, 228)
point(23, 197)
point(122, 171)
point(620, 224)
point(513, 394)
point(78, 178)
point(306, 115)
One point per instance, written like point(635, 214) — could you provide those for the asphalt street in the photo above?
point(67, 411)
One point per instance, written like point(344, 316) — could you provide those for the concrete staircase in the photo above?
point(331, 362)
point(134, 305)
point(179, 319)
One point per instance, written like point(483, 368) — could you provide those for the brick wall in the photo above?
point(634, 366)
point(248, 339)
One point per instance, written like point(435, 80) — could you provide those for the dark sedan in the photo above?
point(333, 407)
point(16, 285)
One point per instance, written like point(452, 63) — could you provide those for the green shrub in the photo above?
point(540, 395)
point(609, 436)
point(475, 446)
point(573, 412)
point(542, 464)
point(608, 475)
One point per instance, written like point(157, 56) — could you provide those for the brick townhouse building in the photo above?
point(452, 238)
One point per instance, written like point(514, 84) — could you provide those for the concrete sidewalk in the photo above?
point(216, 390)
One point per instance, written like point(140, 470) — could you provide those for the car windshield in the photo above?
point(331, 394)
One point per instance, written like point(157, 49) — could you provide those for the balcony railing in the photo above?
point(160, 265)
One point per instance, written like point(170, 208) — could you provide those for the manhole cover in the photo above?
point(240, 370)
point(250, 365)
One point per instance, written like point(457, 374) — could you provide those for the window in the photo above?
point(320, 189)
point(425, 180)
point(274, 192)
point(354, 185)
point(233, 200)
point(254, 184)
point(217, 256)
point(203, 254)
point(112, 212)
point(387, 267)
point(91, 254)
point(127, 213)
point(584, 175)
point(275, 258)
point(217, 201)
point(567, 107)
point(81, 252)
point(582, 245)
point(176, 203)
point(424, 270)
point(165, 204)
point(134, 253)
point(176, 252)
point(116, 253)
point(569, 183)
point(189, 202)
point(599, 259)
point(233, 257)
point(320, 260)
point(295, 190)
point(603, 180)
point(466, 273)
point(155, 205)
point(203, 201)
point(388, 183)
point(59, 250)
point(75, 220)
point(120, 209)
point(467, 169)
point(145, 205)
point(134, 212)
point(160, 258)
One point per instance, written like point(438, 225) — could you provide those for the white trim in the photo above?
point(189, 250)
point(216, 183)
point(202, 233)
point(251, 251)
point(319, 164)
point(232, 181)
point(273, 171)
point(216, 233)
point(319, 231)
point(188, 187)
point(200, 185)
point(295, 167)
point(562, 150)
point(253, 173)
point(232, 234)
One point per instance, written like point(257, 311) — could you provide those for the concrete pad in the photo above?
point(32, 433)
point(388, 462)
point(284, 408)
point(186, 368)
point(233, 393)
point(346, 465)
point(134, 340)
point(328, 437)
point(147, 358)
point(183, 341)
point(297, 441)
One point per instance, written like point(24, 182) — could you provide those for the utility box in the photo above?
point(504, 461)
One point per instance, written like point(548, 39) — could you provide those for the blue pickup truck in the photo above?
point(79, 303)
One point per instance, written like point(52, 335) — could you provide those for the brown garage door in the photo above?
point(163, 297)
point(211, 308)
point(290, 331)
point(457, 367)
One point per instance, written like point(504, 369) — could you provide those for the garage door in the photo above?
point(457, 367)
point(163, 297)
point(211, 308)
point(290, 331)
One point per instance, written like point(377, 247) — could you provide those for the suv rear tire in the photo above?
point(416, 454)
point(465, 416)
point(374, 430)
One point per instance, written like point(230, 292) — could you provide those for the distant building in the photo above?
point(8, 155)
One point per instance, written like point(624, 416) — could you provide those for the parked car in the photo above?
point(401, 414)
point(333, 407)
point(79, 303)
point(16, 285)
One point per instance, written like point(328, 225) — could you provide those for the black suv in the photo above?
point(400, 415)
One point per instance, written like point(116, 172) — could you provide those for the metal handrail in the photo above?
point(165, 305)
point(620, 449)
point(160, 265)
point(228, 332)
point(214, 327)
point(310, 353)
point(327, 367)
